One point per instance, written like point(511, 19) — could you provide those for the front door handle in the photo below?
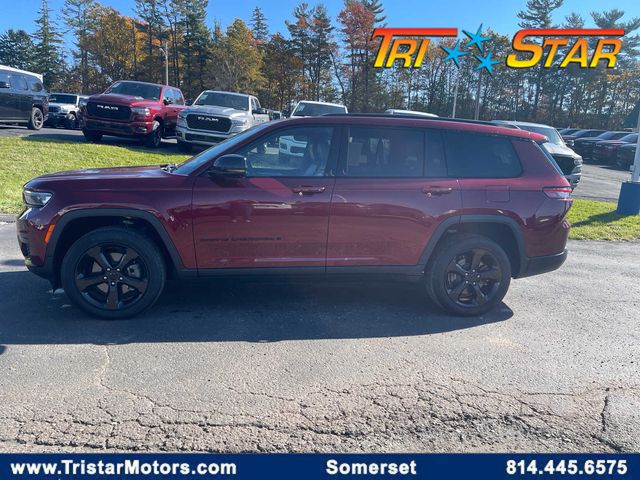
point(308, 190)
point(436, 191)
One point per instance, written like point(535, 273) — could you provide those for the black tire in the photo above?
point(184, 147)
point(113, 273)
point(93, 137)
point(154, 139)
point(472, 269)
point(71, 122)
point(36, 120)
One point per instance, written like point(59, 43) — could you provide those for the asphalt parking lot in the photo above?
point(322, 366)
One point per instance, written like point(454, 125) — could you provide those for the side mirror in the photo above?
point(260, 111)
point(5, 85)
point(232, 165)
point(166, 101)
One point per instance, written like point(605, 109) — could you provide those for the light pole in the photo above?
point(165, 51)
point(629, 200)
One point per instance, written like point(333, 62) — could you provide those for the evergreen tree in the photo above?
point(300, 37)
point(48, 58)
point(80, 18)
point(196, 45)
point(16, 49)
point(151, 16)
point(321, 47)
point(259, 26)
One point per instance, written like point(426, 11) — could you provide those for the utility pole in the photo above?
point(455, 95)
point(476, 116)
point(165, 51)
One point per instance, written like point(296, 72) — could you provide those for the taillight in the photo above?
point(559, 193)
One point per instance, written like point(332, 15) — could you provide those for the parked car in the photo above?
point(216, 116)
point(146, 111)
point(308, 108)
point(23, 99)
point(568, 161)
point(460, 207)
point(413, 113)
point(585, 145)
point(64, 110)
point(566, 134)
point(626, 155)
point(606, 151)
point(275, 115)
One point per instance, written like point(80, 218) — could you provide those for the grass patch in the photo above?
point(23, 158)
point(591, 220)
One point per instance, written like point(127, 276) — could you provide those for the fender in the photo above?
point(112, 212)
point(484, 219)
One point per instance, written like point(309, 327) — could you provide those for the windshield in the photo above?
point(200, 159)
point(630, 138)
point(550, 133)
point(62, 98)
point(612, 135)
point(135, 89)
point(315, 109)
point(219, 99)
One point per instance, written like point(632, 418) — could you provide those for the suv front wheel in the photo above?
point(469, 275)
point(113, 273)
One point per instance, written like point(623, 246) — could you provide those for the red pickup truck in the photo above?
point(147, 111)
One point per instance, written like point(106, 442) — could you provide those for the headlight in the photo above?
point(182, 115)
point(36, 199)
point(141, 111)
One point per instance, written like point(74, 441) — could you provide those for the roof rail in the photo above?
point(411, 117)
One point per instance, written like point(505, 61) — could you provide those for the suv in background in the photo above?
point(23, 99)
point(216, 116)
point(309, 108)
point(147, 111)
point(569, 161)
point(460, 207)
point(64, 110)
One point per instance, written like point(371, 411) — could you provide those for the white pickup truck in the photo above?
point(216, 116)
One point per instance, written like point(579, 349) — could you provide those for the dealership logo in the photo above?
point(410, 45)
point(107, 107)
point(208, 119)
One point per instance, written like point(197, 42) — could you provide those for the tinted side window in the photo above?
point(35, 85)
point(18, 82)
point(166, 95)
point(177, 97)
point(436, 166)
point(471, 155)
point(290, 152)
point(384, 152)
point(4, 77)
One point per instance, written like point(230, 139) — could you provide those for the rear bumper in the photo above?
point(537, 265)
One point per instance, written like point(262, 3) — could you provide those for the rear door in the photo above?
point(8, 99)
point(391, 194)
point(275, 216)
point(24, 96)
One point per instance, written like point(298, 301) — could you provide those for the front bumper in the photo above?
point(204, 137)
point(119, 129)
point(537, 265)
point(32, 227)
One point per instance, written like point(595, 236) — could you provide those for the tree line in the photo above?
point(316, 57)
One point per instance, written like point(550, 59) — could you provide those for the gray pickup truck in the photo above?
point(216, 116)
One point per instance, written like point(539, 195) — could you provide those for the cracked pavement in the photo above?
point(326, 366)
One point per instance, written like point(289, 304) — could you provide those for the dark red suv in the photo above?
point(460, 206)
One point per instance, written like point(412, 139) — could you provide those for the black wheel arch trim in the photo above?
point(72, 215)
point(450, 222)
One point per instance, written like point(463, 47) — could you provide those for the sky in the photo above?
point(500, 15)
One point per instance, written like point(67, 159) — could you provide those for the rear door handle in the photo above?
point(436, 191)
point(308, 190)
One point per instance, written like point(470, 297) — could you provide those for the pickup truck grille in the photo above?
point(112, 112)
point(208, 122)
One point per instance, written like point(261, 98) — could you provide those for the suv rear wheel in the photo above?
point(113, 273)
point(36, 120)
point(469, 275)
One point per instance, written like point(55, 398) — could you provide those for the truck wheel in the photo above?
point(113, 273)
point(469, 275)
point(71, 122)
point(184, 146)
point(36, 120)
point(154, 139)
point(93, 137)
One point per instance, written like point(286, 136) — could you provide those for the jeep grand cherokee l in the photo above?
point(461, 207)
point(146, 111)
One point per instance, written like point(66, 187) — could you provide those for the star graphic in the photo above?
point(486, 62)
point(453, 53)
point(476, 38)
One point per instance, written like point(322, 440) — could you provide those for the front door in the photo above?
point(390, 196)
point(276, 216)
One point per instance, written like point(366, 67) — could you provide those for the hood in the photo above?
point(122, 100)
point(215, 110)
point(589, 140)
point(98, 174)
point(629, 146)
point(555, 149)
point(611, 142)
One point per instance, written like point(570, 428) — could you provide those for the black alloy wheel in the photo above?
point(473, 278)
point(37, 119)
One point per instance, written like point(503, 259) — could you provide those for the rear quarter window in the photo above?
point(472, 155)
